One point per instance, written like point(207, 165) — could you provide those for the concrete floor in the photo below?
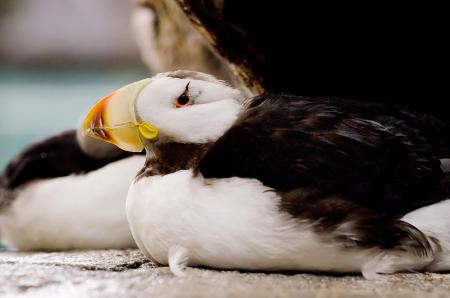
point(126, 273)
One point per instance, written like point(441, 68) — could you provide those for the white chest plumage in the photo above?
point(236, 223)
point(230, 223)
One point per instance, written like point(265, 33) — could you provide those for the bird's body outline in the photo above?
point(379, 241)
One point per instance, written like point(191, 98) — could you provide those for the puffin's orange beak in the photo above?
point(113, 119)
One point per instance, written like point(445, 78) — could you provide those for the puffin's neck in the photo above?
point(166, 158)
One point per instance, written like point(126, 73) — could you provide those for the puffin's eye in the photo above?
point(184, 99)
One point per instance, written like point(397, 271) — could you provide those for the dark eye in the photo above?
point(184, 99)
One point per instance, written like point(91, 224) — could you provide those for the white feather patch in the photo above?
point(236, 223)
point(178, 259)
point(73, 212)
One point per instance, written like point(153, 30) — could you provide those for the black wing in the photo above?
point(56, 156)
point(367, 154)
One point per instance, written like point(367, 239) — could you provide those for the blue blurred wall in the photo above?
point(35, 103)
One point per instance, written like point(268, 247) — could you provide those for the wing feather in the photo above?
point(375, 158)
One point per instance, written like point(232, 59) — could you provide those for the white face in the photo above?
point(188, 110)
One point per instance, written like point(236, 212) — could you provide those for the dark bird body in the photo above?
point(335, 160)
point(381, 157)
point(56, 156)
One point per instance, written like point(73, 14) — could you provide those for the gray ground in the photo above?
point(127, 274)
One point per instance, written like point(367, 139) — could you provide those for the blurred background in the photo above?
point(57, 57)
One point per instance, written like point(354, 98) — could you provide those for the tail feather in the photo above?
point(434, 222)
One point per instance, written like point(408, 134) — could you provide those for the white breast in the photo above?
point(228, 223)
point(73, 212)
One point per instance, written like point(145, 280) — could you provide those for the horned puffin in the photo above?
point(278, 182)
point(67, 192)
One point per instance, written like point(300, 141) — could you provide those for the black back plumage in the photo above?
point(56, 156)
point(377, 156)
